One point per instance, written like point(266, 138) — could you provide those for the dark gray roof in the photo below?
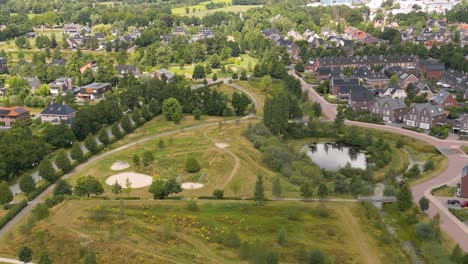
point(58, 109)
point(359, 93)
point(394, 104)
point(434, 110)
point(126, 69)
point(441, 96)
point(34, 82)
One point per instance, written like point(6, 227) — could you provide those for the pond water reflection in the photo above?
point(332, 156)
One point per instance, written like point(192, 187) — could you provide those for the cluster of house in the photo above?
point(81, 36)
point(203, 33)
point(371, 90)
point(53, 113)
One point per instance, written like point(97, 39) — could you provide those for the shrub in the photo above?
point(41, 211)
point(12, 212)
point(429, 165)
point(192, 165)
point(32, 195)
point(232, 239)
point(54, 200)
point(192, 206)
point(425, 231)
point(218, 193)
point(281, 237)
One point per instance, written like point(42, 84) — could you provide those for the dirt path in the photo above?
point(359, 237)
point(236, 164)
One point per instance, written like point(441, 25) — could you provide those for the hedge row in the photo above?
point(32, 195)
point(12, 213)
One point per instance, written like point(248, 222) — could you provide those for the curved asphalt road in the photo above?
point(457, 230)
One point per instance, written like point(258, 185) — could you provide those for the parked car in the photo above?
point(453, 202)
point(464, 204)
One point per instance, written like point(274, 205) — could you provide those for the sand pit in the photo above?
point(191, 185)
point(222, 145)
point(138, 180)
point(120, 165)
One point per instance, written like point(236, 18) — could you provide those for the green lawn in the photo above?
point(171, 232)
point(461, 214)
point(200, 10)
point(445, 191)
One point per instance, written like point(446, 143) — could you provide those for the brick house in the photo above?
point(324, 73)
point(337, 82)
point(460, 125)
point(57, 113)
point(163, 72)
point(360, 98)
point(425, 115)
point(8, 115)
point(431, 68)
point(464, 183)
point(127, 69)
point(390, 110)
point(61, 86)
point(445, 99)
point(406, 79)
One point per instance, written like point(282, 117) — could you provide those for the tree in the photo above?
point(126, 124)
point(43, 90)
point(198, 72)
point(394, 80)
point(197, 112)
point(115, 129)
point(457, 254)
point(423, 203)
point(392, 35)
point(154, 107)
point(76, 153)
point(62, 188)
point(18, 86)
point(215, 77)
point(265, 83)
point(116, 188)
point(6, 195)
point(429, 165)
point(136, 160)
point(172, 110)
point(44, 259)
point(281, 237)
point(322, 190)
point(136, 117)
point(87, 186)
point(316, 257)
point(147, 158)
point(243, 76)
point(146, 113)
point(218, 193)
point(276, 113)
point(162, 189)
point(240, 102)
point(25, 254)
point(192, 165)
point(63, 162)
point(46, 171)
point(259, 195)
point(300, 67)
point(90, 144)
point(128, 187)
point(306, 190)
point(276, 189)
point(404, 198)
point(104, 137)
point(60, 136)
point(26, 183)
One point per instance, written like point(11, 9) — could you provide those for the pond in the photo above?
point(332, 156)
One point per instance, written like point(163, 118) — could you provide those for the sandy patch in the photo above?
point(138, 180)
point(191, 185)
point(120, 165)
point(222, 145)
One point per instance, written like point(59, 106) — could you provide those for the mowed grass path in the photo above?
point(168, 232)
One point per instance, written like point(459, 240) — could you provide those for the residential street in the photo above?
point(450, 148)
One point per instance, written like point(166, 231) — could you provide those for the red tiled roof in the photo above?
point(13, 111)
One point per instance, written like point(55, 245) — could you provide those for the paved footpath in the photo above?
point(450, 148)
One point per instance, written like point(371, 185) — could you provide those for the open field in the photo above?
point(173, 232)
point(233, 169)
point(200, 10)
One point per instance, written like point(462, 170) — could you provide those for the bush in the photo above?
point(429, 165)
point(232, 239)
point(192, 165)
point(219, 194)
point(41, 211)
point(192, 206)
point(425, 231)
point(12, 213)
point(281, 237)
point(54, 200)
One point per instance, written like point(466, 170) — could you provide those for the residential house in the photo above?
point(205, 33)
point(404, 61)
point(457, 80)
point(163, 74)
point(464, 183)
point(294, 35)
point(72, 29)
point(460, 125)
point(425, 115)
point(407, 78)
point(57, 114)
point(127, 70)
point(180, 31)
point(89, 65)
point(34, 82)
point(93, 91)
point(371, 78)
point(135, 33)
point(3, 92)
point(395, 92)
point(61, 86)
point(325, 73)
point(336, 83)
point(8, 115)
point(431, 68)
point(390, 110)
point(445, 99)
point(423, 89)
point(30, 35)
point(360, 98)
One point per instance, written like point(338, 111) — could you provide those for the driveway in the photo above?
point(457, 230)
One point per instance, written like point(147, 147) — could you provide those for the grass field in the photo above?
point(446, 191)
point(230, 169)
point(200, 10)
point(171, 232)
point(461, 214)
